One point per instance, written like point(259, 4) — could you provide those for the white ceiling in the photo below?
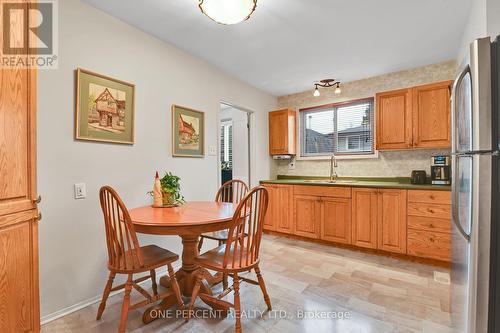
point(288, 44)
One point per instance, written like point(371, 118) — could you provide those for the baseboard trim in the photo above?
point(83, 304)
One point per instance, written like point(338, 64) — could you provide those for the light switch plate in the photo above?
point(80, 191)
point(212, 150)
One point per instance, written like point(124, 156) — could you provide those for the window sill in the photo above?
point(339, 157)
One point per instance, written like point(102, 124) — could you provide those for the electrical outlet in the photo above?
point(80, 191)
point(212, 150)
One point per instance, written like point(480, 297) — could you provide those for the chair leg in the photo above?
point(200, 243)
point(175, 286)
point(263, 287)
point(224, 281)
point(105, 295)
point(194, 295)
point(237, 306)
point(125, 305)
point(153, 282)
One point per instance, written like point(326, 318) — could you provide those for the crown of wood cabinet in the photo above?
point(282, 132)
point(416, 117)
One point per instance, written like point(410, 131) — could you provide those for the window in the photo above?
point(226, 144)
point(341, 129)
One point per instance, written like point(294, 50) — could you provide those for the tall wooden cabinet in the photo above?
point(417, 117)
point(19, 298)
point(282, 132)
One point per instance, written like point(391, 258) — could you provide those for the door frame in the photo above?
point(251, 140)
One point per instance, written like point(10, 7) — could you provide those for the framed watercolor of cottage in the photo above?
point(104, 108)
point(188, 132)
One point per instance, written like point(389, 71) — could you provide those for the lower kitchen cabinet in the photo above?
point(392, 220)
point(364, 217)
point(279, 216)
point(412, 222)
point(336, 220)
point(307, 215)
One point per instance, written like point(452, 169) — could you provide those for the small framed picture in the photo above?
point(188, 132)
point(105, 108)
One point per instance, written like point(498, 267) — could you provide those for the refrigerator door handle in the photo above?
point(454, 109)
point(454, 199)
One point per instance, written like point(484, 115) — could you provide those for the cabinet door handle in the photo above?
point(38, 200)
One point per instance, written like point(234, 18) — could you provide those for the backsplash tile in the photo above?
point(388, 163)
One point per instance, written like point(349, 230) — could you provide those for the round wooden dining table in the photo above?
point(188, 221)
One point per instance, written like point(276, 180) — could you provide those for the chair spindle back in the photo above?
point(245, 232)
point(232, 191)
point(123, 248)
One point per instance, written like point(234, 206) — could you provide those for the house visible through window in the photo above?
point(342, 129)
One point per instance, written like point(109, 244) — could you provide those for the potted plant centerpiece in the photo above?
point(169, 187)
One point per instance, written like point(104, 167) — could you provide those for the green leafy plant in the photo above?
point(172, 184)
point(171, 189)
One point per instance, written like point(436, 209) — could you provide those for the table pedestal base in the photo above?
point(186, 278)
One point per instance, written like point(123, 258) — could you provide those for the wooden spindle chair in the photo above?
point(231, 191)
point(240, 253)
point(125, 256)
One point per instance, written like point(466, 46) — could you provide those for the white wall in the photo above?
point(72, 243)
point(493, 18)
point(475, 27)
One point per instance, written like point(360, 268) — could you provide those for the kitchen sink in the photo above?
point(326, 181)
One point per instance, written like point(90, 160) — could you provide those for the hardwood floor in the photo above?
point(379, 294)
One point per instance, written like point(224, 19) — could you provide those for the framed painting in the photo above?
point(188, 132)
point(105, 108)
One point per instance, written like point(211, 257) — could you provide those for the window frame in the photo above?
point(341, 155)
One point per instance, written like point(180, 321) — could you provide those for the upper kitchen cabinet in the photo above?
point(282, 132)
point(394, 119)
point(417, 117)
point(431, 115)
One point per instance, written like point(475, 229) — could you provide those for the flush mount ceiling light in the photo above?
point(327, 83)
point(228, 11)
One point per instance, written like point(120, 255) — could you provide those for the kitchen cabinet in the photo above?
point(392, 220)
point(282, 132)
point(364, 217)
point(307, 215)
point(336, 220)
point(429, 224)
point(279, 214)
point(416, 117)
point(394, 119)
point(19, 216)
point(431, 115)
point(407, 222)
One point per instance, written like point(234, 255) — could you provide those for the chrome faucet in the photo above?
point(333, 165)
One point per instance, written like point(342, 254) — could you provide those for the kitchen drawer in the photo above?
point(425, 244)
point(429, 210)
point(322, 191)
point(429, 224)
point(433, 197)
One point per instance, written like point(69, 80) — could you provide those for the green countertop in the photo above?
point(382, 182)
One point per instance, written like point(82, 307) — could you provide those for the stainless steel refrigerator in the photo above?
point(475, 191)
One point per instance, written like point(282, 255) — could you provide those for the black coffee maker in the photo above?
point(441, 170)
